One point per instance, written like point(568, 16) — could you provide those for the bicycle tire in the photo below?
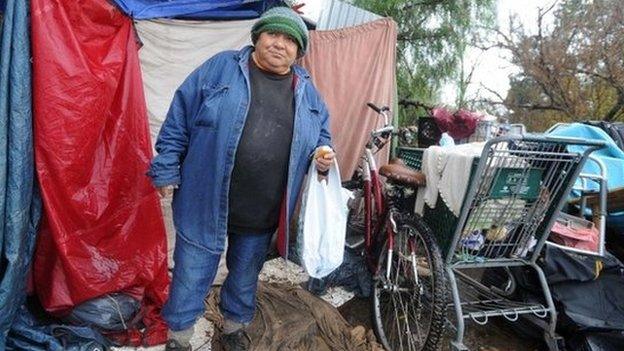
point(433, 296)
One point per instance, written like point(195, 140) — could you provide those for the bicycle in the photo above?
point(409, 291)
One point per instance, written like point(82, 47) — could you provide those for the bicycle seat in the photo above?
point(396, 171)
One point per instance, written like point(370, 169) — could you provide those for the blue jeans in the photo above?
point(195, 270)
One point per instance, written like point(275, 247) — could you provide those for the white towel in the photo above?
point(447, 170)
point(429, 167)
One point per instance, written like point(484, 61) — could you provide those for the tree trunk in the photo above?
point(619, 104)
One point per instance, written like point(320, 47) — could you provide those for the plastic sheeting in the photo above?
point(102, 230)
point(194, 9)
point(592, 341)
point(612, 156)
point(20, 206)
point(27, 333)
point(351, 67)
point(111, 312)
point(586, 304)
point(172, 49)
point(587, 291)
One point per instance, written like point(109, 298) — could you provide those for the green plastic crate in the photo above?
point(411, 156)
point(440, 218)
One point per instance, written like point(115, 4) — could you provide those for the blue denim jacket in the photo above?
point(198, 140)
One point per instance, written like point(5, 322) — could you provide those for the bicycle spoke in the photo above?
point(406, 300)
point(414, 317)
point(397, 322)
point(387, 310)
point(393, 283)
point(413, 293)
point(412, 311)
point(400, 268)
point(418, 331)
point(404, 310)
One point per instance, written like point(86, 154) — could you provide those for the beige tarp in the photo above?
point(351, 67)
point(174, 48)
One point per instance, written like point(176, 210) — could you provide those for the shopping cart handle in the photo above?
point(593, 144)
point(598, 144)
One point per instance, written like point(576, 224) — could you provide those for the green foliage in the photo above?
point(432, 39)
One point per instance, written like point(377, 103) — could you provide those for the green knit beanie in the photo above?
point(282, 20)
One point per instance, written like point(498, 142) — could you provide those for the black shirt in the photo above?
point(261, 164)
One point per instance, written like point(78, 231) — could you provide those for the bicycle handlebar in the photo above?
point(382, 131)
point(377, 109)
point(383, 111)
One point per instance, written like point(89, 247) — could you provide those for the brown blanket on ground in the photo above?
point(290, 318)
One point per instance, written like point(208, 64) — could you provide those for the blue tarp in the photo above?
point(195, 9)
point(27, 333)
point(612, 156)
point(20, 205)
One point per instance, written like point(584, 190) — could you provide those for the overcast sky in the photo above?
point(492, 67)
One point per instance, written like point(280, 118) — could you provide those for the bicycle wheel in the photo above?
point(409, 308)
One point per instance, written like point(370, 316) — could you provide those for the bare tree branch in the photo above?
point(522, 106)
point(502, 100)
point(572, 65)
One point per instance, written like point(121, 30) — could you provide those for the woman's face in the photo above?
point(275, 52)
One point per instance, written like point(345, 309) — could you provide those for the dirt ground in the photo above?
point(495, 336)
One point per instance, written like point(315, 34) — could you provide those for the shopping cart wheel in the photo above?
point(409, 305)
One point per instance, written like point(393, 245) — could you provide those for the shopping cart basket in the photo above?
point(516, 189)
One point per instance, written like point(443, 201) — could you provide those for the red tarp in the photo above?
point(102, 229)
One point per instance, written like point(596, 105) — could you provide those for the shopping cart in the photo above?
point(516, 190)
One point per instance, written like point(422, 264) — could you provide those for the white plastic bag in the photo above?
point(322, 223)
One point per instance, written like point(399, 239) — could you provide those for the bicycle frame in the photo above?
point(378, 207)
point(373, 195)
point(393, 241)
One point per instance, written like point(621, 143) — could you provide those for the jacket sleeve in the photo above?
point(325, 135)
point(173, 138)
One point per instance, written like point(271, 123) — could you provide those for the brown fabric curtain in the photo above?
point(351, 67)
